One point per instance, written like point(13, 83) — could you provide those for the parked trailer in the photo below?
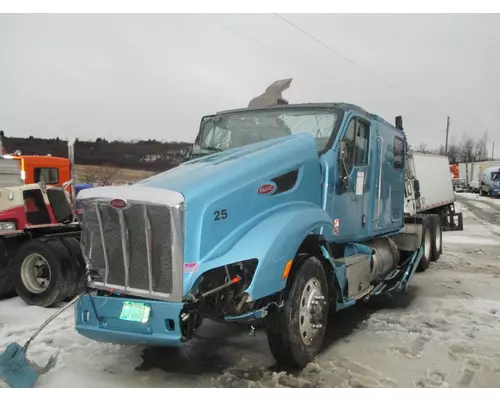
point(430, 189)
point(299, 215)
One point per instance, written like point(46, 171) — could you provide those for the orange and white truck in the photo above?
point(55, 171)
point(40, 258)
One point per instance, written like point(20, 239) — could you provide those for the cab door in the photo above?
point(351, 208)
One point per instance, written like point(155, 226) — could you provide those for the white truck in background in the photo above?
point(429, 189)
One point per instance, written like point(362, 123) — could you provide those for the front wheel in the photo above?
point(296, 331)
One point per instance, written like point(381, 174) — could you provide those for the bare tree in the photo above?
point(89, 177)
point(482, 148)
point(422, 148)
point(467, 149)
point(453, 151)
point(107, 176)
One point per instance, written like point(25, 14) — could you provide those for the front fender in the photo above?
point(273, 241)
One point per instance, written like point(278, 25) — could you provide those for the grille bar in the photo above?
point(148, 232)
point(125, 248)
point(103, 242)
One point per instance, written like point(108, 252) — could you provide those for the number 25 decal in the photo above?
point(220, 214)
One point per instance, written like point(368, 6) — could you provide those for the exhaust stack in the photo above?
point(71, 157)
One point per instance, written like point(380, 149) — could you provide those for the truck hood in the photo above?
point(227, 170)
point(221, 193)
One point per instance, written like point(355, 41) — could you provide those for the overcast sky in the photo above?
point(155, 76)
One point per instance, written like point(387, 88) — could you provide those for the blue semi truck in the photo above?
point(282, 213)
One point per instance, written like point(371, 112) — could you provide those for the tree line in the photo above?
point(467, 149)
point(149, 155)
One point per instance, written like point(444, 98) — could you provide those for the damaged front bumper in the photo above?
point(101, 318)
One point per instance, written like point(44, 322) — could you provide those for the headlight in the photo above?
point(7, 226)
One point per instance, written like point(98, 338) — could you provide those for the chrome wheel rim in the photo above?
point(427, 244)
point(438, 240)
point(35, 273)
point(312, 303)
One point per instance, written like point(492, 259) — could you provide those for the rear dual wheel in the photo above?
point(437, 237)
point(426, 244)
point(432, 240)
point(45, 272)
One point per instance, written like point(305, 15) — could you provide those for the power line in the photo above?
point(268, 47)
point(355, 64)
point(299, 61)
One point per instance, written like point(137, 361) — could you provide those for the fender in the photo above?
point(274, 241)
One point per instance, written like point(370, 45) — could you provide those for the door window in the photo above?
point(356, 140)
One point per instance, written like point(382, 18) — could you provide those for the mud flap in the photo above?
point(451, 220)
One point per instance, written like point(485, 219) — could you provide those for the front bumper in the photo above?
point(161, 329)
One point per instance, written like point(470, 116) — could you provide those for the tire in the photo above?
point(288, 325)
point(426, 243)
point(6, 284)
point(52, 257)
point(77, 266)
point(436, 237)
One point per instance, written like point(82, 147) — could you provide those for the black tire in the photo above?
point(57, 257)
point(436, 237)
point(284, 329)
point(426, 235)
point(77, 266)
point(6, 284)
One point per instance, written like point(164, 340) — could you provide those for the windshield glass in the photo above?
point(495, 176)
point(228, 131)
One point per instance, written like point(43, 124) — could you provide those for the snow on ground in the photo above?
point(442, 332)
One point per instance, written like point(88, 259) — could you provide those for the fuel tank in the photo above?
point(385, 256)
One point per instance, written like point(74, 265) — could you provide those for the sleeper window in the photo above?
point(48, 175)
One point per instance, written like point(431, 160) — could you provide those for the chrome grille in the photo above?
point(135, 250)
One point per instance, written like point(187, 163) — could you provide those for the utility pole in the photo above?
point(447, 130)
point(493, 152)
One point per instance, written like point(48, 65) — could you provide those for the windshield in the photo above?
point(495, 176)
point(232, 130)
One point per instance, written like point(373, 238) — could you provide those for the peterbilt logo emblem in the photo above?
point(266, 189)
point(118, 203)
